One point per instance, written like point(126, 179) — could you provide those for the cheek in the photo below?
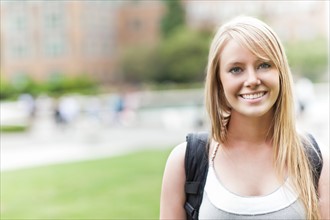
point(227, 90)
point(273, 83)
point(231, 87)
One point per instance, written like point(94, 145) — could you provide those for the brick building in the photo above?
point(46, 38)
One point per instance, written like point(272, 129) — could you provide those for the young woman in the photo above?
point(258, 165)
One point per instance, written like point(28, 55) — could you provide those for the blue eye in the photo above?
point(264, 66)
point(235, 70)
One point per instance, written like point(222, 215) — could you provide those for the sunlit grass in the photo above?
point(13, 128)
point(115, 188)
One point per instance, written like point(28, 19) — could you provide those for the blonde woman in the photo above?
point(258, 165)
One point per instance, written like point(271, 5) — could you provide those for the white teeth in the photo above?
point(253, 96)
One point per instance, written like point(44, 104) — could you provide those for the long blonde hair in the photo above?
point(289, 153)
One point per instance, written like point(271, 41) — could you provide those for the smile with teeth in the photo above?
point(253, 96)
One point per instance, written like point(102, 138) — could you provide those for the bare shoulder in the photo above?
point(324, 185)
point(178, 153)
point(175, 163)
point(172, 193)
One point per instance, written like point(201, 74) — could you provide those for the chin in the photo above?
point(253, 112)
point(256, 113)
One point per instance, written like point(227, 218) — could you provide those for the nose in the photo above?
point(252, 79)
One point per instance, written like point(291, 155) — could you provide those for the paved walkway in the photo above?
point(53, 145)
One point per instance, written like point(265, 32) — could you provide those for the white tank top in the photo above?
point(219, 203)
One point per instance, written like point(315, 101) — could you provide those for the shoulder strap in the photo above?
point(315, 158)
point(196, 165)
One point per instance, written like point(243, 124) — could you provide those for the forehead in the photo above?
point(234, 51)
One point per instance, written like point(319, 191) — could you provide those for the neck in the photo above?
point(250, 129)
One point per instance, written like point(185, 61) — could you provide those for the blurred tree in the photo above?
point(24, 83)
point(54, 86)
point(309, 58)
point(7, 91)
point(181, 58)
point(137, 65)
point(59, 84)
point(174, 17)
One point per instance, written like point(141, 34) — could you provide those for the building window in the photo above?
point(53, 21)
point(20, 23)
point(54, 47)
point(135, 25)
point(18, 50)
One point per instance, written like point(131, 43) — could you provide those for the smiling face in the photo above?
point(251, 85)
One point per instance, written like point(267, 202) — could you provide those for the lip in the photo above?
point(253, 97)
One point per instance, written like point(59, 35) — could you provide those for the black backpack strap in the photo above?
point(315, 158)
point(196, 166)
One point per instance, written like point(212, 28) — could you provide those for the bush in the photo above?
point(183, 57)
point(7, 91)
point(61, 84)
point(55, 86)
point(23, 84)
point(308, 58)
point(180, 58)
point(137, 65)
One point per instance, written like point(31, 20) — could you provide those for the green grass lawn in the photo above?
point(122, 187)
point(13, 128)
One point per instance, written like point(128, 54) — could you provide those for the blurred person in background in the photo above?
point(259, 166)
point(304, 93)
point(118, 108)
point(28, 103)
point(66, 110)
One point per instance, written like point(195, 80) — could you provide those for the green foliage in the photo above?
point(7, 91)
point(60, 84)
point(181, 58)
point(174, 17)
point(23, 84)
point(137, 65)
point(13, 128)
point(121, 187)
point(309, 58)
point(55, 86)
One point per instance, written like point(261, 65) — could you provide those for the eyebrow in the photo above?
point(237, 63)
point(234, 64)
